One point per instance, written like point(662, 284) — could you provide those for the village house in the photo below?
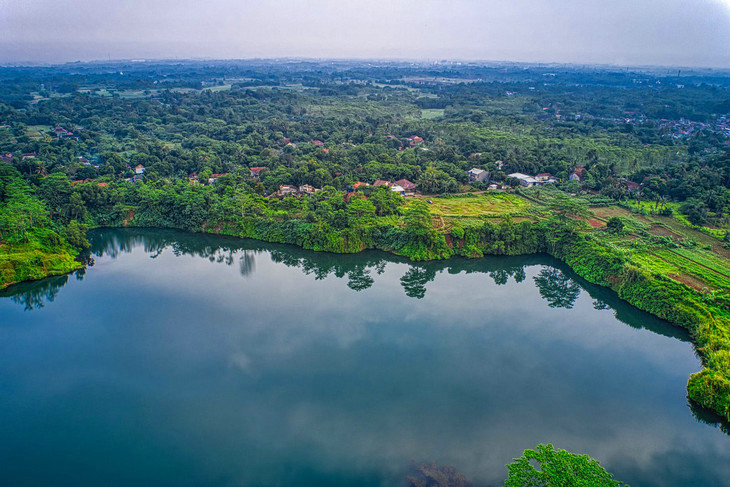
point(630, 185)
point(381, 182)
point(139, 169)
point(286, 189)
point(408, 187)
point(398, 189)
point(414, 139)
point(193, 179)
point(255, 172)
point(578, 174)
point(29, 155)
point(546, 177)
point(476, 174)
point(525, 180)
point(359, 184)
point(214, 177)
point(7, 157)
point(318, 143)
point(307, 189)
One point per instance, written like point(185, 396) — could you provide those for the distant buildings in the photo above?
point(578, 174)
point(414, 139)
point(546, 177)
point(407, 186)
point(255, 172)
point(290, 189)
point(139, 169)
point(476, 174)
point(525, 180)
point(214, 177)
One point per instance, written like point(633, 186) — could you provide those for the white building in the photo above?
point(525, 180)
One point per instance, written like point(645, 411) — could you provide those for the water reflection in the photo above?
point(263, 364)
point(559, 290)
point(557, 284)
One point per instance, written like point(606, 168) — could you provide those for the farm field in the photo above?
point(478, 205)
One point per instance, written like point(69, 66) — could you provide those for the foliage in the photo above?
point(557, 468)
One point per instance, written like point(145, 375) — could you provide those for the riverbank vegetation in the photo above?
point(297, 154)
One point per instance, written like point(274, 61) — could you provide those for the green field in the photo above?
point(431, 113)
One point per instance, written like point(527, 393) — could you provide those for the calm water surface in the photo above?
point(181, 359)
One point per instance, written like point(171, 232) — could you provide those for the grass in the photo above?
point(35, 259)
point(478, 205)
point(431, 113)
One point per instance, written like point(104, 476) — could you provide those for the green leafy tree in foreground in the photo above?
point(557, 468)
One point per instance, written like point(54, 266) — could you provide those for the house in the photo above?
point(630, 185)
point(525, 180)
point(407, 186)
point(29, 155)
point(193, 179)
point(286, 189)
point(60, 131)
point(84, 161)
point(139, 169)
point(476, 174)
point(307, 189)
point(414, 139)
point(546, 177)
point(398, 189)
point(7, 157)
point(214, 177)
point(318, 143)
point(381, 182)
point(359, 184)
point(255, 172)
point(578, 174)
point(103, 185)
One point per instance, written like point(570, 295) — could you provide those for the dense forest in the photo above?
point(624, 174)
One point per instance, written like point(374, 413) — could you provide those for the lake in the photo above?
point(187, 359)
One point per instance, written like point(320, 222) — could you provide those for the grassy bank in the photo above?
point(44, 254)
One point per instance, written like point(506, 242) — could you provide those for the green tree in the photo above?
point(615, 225)
point(557, 468)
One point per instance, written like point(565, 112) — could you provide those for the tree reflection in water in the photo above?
point(34, 295)
point(557, 284)
point(559, 290)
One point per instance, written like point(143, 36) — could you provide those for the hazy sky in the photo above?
point(664, 32)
